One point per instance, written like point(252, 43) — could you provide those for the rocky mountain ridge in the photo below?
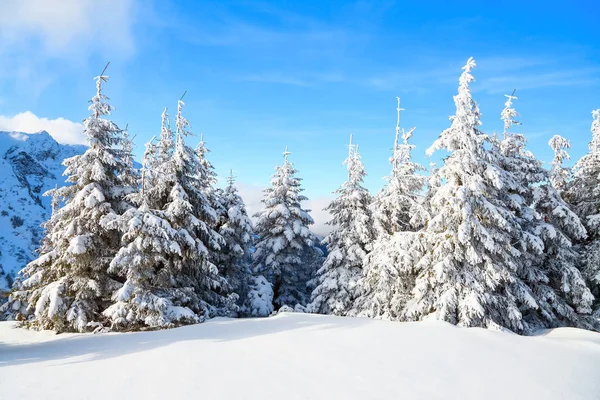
point(30, 164)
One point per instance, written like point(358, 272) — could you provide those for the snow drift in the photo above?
point(301, 356)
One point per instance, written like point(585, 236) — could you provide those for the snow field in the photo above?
point(301, 356)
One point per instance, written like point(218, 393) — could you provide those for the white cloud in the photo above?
point(67, 25)
point(252, 195)
point(320, 216)
point(40, 40)
point(62, 130)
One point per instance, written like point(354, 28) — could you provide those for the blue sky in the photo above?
point(307, 74)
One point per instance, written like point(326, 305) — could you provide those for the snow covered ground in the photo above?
point(300, 356)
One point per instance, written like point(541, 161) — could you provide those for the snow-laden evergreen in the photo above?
point(548, 263)
point(560, 290)
point(216, 197)
point(584, 195)
point(170, 278)
point(467, 274)
point(67, 286)
point(207, 178)
point(398, 206)
point(145, 261)
point(347, 244)
point(399, 211)
point(559, 175)
point(236, 229)
point(191, 209)
point(260, 297)
point(285, 239)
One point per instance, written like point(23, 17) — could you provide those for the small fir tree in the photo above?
point(469, 261)
point(398, 206)
point(400, 212)
point(236, 229)
point(347, 244)
point(284, 238)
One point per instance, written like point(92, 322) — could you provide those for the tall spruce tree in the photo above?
point(190, 211)
point(467, 274)
point(68, 285)
point(170, 278)
point(348, 243)
point(146, 260)
point(548, 262)
point(207, 178)
point(236, 229)
point(584, 195)
point(562, 295)
point(399, 211)
point(285, 239)
point(398, 206)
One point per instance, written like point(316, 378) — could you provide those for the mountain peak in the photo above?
point(31, 163)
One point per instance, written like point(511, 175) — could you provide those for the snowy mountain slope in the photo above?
point(30, 164)
point(301, 356)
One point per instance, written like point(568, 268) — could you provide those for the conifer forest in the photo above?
point(489, 237)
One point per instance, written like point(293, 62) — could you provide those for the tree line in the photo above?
point(490, 238)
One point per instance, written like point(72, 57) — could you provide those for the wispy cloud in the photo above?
point(493, 75)
point(39, 38)
point(538, 80)
point(62, 27)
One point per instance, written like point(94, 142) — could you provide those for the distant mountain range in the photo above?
point(30, 164)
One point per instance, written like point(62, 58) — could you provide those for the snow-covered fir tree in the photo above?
point(68, 286)
point(165, 259)
point(285, 238)
point(236, 229)
point(166, 143)
point(467, 273)
point(190, 206)
point(560, 290)
point(347, 244)
point(522, 170)
point(207, 177)
point(150, 246)
point(399, 211)
point(584, 195)
point(260, 296)
point(559, 175)
point(398, 206)
point(548, 262)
